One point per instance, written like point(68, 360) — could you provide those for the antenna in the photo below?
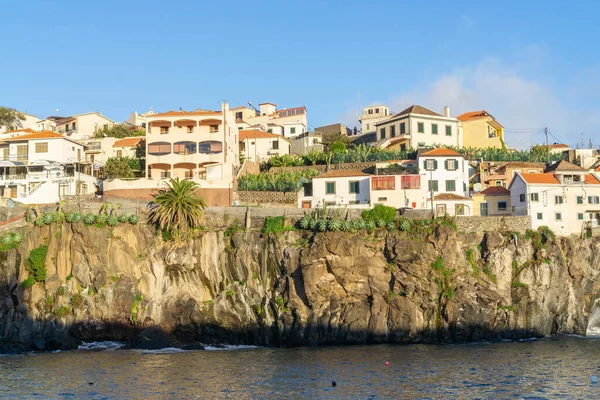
point(252, 105)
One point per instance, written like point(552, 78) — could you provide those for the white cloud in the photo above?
point(522, 104)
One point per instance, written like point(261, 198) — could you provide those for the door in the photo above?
point(440, 210)
point(483, 209)
point(306, 204)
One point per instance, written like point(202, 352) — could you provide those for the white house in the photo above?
point(447, 174)
point(337, 189)
point(256, 145)
point(30, 122)
point(565, 198)
point(78, 126)
point(418, 127)
point(371, 116)
point(289, 122)
point(41, 167)
point(399, 184)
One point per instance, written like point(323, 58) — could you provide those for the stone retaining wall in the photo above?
point(498, 224)
point(367, 167)
point(267, 199)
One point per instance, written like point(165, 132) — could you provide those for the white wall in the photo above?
point(60, 150)
point(342, 196)
point(427, 138)
point(400, 197)
point(262, 148)
point(30, 122)
point(460, 176)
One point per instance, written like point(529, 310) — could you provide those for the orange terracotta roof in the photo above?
point(183, 114)
point(440, 152)
point(262, 104)
point(556, 146)
point(473, 115)
point(495, 191)
point(340, 174)
point(548, 179)
point(28, 130)
point(128, 142)
point(450, 196)
point(36, 135)
point(591, 180)
point(257, 134)
point(238, 108)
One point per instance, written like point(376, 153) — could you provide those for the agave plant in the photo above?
point(112, 220)
point(48, 218)
point(346, 226)
point(322, 225)
point(39, 221)
point(313, 224)
point(359, 224)
point(404, 225)
point(123, 218)
point(390, 226)
point(134, 219)
point(334, 225)
point(6, 239)
point(380, 223)
point(17, 238)
point(305, 222)
point(101, 219)
point(70, 217)
point(370, 225)
point(89, 219)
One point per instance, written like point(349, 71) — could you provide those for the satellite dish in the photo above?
point(263, 127)
point(477, 187)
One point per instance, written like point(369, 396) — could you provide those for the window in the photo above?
point(210, 147)
point(354, 187)
point(522, 198)
point(270, 130)
point(499, 183)
point(501, 206)
point(275, 145)
point(164, 130)
point(434, 129)
point(119, 153)
point(393, 131)
point(558, 199)
point(144, 125)
point(430, 165)
point(448, 130)
point(410, 182)
point(450, 186)
point(383, 183)
point(238, 115)
point(579, 199)
point(402, 128)
point(451, 165)
point(330, 188)
point(292, 130)
point(580, 216)
point(382, 199)
point(558, 216)
point(459, 209)
point(539, 216)
point(433, 186)
point(377, 111)
point(214, 128)
point(421, 127)
point(184, 148)
point(369, 111)
point(190, 129)
point(41, 147)
point(382, 133)
point(159, 148)
point(74, 126)
point(593, 199)
point(534, 197)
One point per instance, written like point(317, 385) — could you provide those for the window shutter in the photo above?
point(425, 164)
point(434, 164)
point(446, 164)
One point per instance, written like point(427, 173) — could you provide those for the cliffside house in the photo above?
point(77, 127)
point(493, 201)
point(256, 145)
point(566, 198)
point(42, 167)
point(418, 127)
point(399, 184)
point(371, 116)
point(288, 122)
point(481, 129)
point(500, 173)
point(337, 189)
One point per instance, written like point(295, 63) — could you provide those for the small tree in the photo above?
point(11, 118)
point(176, 208)
point(119, 131)
point(118, 168)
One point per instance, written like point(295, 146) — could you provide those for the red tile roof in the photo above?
point(341, 174)
point(591, 180)
point(183, 114)
point(257, 134)
point(548, 179)
point(128, 142)
point(36, 135)
point(28, 130)
point(440, 152)
point(495, 191)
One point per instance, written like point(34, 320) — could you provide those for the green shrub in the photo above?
point(62, 311)
point(76, 300)
point(60, 291)
point(546, 233)
point(273, 225)
point(519, 284)
point(234, 228)
point(334, 225)
point(134, 309)
point(381, 213)
point(304, 222)
point(6, 240)
point(112, 221)
point(48, 218)
point(134, 219)
point(29, 282)
point(89, 219)
point(322, 225)
point(101, 220)
point(403, 224)
point(390, 226)
point(123, 218)
point(37, 263)
point(346, 226)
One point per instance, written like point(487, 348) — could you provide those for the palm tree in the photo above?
point(176, 208)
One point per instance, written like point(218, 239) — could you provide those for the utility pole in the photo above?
point(547, 145)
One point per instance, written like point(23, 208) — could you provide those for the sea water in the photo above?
point(558, 367)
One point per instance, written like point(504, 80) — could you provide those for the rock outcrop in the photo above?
point(293, 289)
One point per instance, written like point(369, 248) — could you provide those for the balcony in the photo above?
point(21, 158)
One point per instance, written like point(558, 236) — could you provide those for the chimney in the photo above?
point(447, 112)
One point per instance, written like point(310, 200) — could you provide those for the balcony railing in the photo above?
point(18, 157)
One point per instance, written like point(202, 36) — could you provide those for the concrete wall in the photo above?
point(497, 224)
point(366, 167)
point(475, 134)
point(264, 199)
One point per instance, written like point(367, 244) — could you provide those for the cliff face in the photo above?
point(296, 288)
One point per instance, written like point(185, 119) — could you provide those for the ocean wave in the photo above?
point(107, 345)
point(165, 350)
point(229, 347)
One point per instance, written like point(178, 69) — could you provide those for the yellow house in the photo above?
point(480, 129)
point(493, 201)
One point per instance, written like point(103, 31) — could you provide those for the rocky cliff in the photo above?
point(293, 288)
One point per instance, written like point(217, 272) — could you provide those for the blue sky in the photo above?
point(531, 64)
